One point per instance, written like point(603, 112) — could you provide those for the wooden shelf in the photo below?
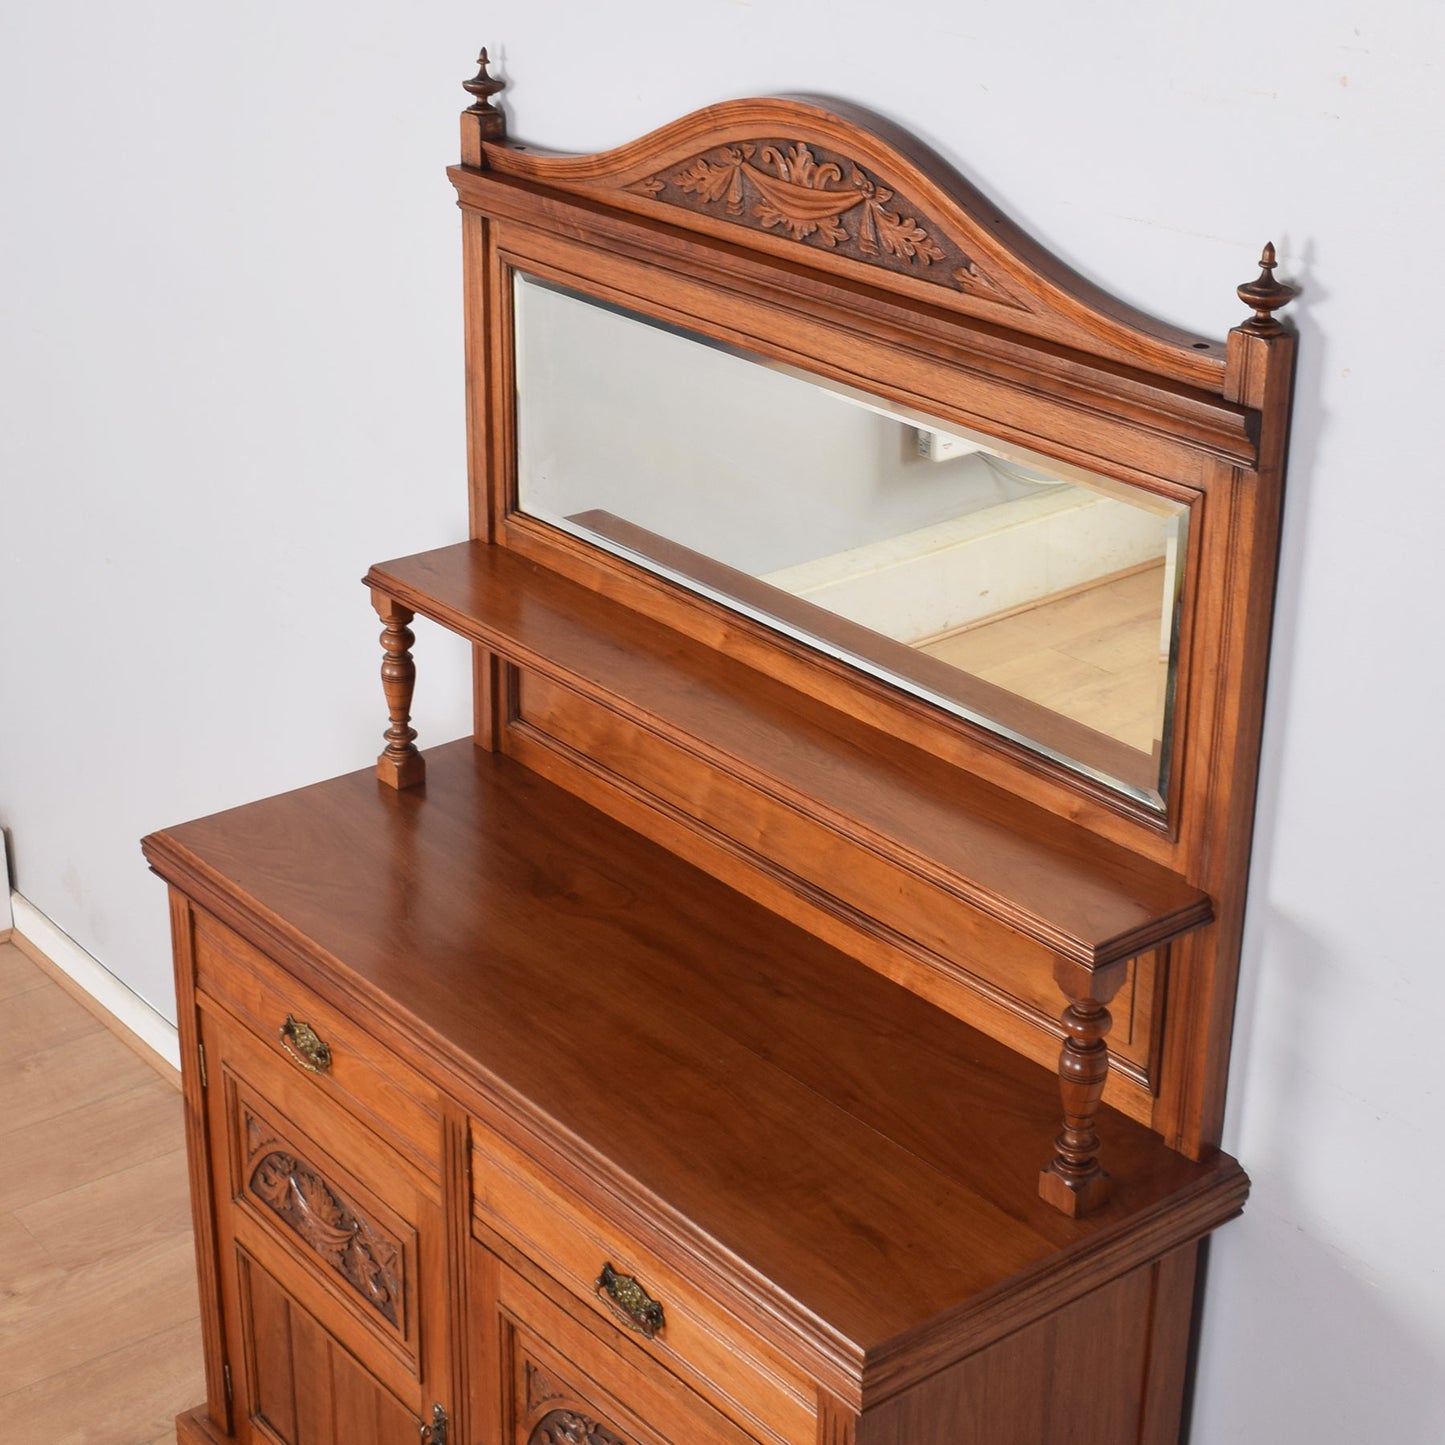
point(1084, 899)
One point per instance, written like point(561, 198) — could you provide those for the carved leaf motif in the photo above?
point(902, 235)
point(798, 166)
point(318, 1214)
point(540, 1387)
point(713, 181)
point(568, 1427)
point(706, 180)
point(329, 1218)
point(969, 278)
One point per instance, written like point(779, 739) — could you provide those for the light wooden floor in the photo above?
point(1092, 655)
point(100, 1339)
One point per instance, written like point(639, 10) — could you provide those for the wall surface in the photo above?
point(231, 366)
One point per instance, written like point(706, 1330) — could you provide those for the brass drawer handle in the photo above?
point(305, 1045)
point(629, 1302)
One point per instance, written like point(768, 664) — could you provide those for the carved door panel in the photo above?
point(548, 1373)
point(331, 1259)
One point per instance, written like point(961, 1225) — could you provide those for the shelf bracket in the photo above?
point(400, 764)
point(1075, 1181)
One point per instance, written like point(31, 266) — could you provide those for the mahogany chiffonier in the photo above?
point(799, 1014)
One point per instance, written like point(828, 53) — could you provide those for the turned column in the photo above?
point(400, 764)
point(1075, 1181)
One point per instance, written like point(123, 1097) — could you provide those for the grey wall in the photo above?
point(231, 366)
point(755, 467)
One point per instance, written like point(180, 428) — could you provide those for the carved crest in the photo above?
point(819, 199)
point(842, 189)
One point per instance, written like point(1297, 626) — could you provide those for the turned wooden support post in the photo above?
point(1075, 1181)
point(400, 765)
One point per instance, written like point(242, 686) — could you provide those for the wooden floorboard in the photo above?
point(1092, 654)
point(17, 973)
point(143, 1205)
point(40, 1018)
point(58, 1080)
point(100, 1340)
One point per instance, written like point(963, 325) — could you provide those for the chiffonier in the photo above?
point(799, 1013)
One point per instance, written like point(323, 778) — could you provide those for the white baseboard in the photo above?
point(7, 917)
point(126, 1007)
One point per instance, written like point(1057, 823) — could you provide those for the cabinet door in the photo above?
point(301, 1385)
point(542, 1374)
point(331, 1260)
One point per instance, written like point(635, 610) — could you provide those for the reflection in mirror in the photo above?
point(1030, 596)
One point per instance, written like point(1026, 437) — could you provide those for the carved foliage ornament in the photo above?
point(821, 200)
point(568, 1427)
point(315, 1211)
point(541, 1387)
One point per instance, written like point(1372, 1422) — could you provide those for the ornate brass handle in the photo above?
point(305, 1045)
point(629, 1302)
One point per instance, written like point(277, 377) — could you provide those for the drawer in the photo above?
point(543, 1376)
point(715, 1353)
point(359, 1072)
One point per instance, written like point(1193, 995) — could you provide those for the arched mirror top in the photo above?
point(864, 199)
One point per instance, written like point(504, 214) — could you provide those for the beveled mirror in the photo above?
point(1033, 597)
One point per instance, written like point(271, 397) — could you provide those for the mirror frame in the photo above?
point(1062, 737)
point(987, 330)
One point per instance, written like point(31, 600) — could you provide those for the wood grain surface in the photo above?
point(99, 1324)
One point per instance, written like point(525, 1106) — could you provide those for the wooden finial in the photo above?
point(484, 87)
point(1266, 295)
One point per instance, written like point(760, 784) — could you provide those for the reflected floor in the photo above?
point(1092, 654)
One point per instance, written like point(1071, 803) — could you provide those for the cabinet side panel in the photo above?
point(1166, 1373)
point(199, 1160)
point(1108, 1369)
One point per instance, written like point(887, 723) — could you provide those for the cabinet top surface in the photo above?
point(840, 1147)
